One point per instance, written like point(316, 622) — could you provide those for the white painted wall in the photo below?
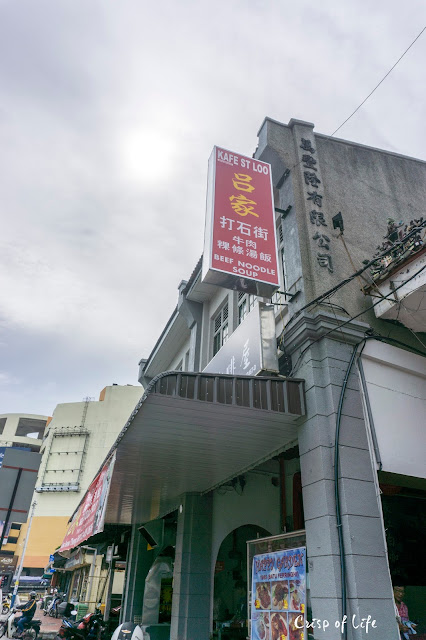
point(180, 357)
point(8, 437)
point(396, 386)
point(231, 510)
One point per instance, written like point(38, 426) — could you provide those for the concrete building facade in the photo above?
point(75, 441)
point(209, 461)
point(24, 431)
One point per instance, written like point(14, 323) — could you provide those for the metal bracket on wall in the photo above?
point(289, 295)
point(284, 212)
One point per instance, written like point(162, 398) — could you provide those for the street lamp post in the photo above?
point(21, 562)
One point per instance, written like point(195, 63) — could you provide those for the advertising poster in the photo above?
point(279, 595)
point(90, 516)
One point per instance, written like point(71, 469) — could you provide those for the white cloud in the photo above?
point(108, 113)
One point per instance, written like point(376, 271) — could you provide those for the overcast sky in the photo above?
point(108, 114)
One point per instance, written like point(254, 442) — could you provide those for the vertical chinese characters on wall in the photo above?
point(314, 197)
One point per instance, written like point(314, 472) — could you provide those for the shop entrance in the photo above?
point(230, 583)
point(404, 516)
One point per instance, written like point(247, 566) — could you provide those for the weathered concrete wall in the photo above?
point(366, 185)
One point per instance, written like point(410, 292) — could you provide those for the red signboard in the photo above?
point(240, 250)
point(90, 516)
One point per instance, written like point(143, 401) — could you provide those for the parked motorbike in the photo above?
point(5, 605)
point(128, 631)
point(8, 626)
point(63, 609)
point(52, 608)
point(90, 627)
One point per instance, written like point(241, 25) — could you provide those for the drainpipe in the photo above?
point(92, 571)
point(283, 502)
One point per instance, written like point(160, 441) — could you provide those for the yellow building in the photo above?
point(76, 441)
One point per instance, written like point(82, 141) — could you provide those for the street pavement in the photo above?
point(49, 626)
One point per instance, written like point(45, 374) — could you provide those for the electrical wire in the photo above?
point(335, 306)
point(364, 101)
point(380, 338)
point(341, 284)
point(339, 523)
point(378, 85)
point(353, 318)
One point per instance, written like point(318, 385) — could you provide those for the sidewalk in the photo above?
point(49, 626)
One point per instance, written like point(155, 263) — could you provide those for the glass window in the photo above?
point(245, 305)
point(277, 297)
point(220, 329)
point(30, 428)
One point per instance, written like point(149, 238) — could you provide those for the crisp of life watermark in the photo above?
point(356, 622)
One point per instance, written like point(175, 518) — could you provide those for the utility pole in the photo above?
point(21, 562)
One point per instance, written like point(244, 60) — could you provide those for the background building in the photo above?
point(22, 430)
point(25, 431)
point(75, 442)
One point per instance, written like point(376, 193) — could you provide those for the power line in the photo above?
point(324, 335)
point(342, 283)
point(378, 85)
point(370, 94)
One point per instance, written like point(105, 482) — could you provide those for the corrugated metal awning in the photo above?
point(195, 431)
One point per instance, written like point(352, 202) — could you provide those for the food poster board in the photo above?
point(278, 607)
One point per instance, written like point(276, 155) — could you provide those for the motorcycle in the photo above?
point(5, 605)
point(128, 631)
point(52, 608)
point(90, 627)
point(8, 626)
point(64, 608)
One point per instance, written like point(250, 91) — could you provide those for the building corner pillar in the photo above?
point(192, 584)
point(323, 364)
point(139, 561)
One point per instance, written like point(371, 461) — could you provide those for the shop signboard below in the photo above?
point(278, 608)
point(76, 560)
point(8, 562)
point(251, 348)
point(240, 249)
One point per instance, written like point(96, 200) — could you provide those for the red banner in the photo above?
point(240, 228)
point(90, 516)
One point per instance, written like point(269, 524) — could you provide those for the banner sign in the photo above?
point(240, 250)
point(90, 516)
point(278, 607)
point(251, 348)
point(8, 562)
